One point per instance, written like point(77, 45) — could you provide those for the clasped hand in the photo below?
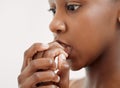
point(39, 66)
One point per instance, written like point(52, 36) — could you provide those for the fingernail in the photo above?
point(62, 56)
point(57, 79)
point(66, 55)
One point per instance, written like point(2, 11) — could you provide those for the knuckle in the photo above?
point(36, 45)
point(33, 64)
point(59, 51)
point(52, 74)
point(51, 54)
point(54, 52)
point(36, 76)
point(66, 67)
point(54, 66)
point(50, 62)
point(19, 78)
point(58, 45)
point(26, 53)
point(55, 44)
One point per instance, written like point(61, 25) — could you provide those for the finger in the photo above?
point(55, 49)
point(39, 77)
point(49, 86)
point(52, 45)
point(38, 55)
point(55, 44)
point(35, 65)
point(53, 52)
point(63, 72)
point(29, 53)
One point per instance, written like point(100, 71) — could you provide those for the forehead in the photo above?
point(94, 1)
point(73, 0)
point(51, 1)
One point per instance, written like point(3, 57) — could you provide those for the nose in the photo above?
point(57, 26)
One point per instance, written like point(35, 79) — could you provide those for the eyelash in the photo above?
point(53, 10)
point(71, 8)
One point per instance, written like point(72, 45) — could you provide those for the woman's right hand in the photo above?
point(40, 68)
point(30, 75)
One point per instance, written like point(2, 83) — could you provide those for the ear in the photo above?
point(119, 15)
point(117, 6)
point(119, 12)
point(119, 18)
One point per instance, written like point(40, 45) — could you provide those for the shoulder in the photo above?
point(77, 83)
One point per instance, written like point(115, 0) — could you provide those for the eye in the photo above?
point(53, 10)
point(72, 7)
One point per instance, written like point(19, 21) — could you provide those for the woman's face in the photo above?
point(88, 26)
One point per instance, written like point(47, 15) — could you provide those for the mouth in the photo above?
point(67, 48)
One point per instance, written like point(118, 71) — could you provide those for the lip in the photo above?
point(67, 48)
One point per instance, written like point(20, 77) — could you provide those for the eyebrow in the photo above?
point(50, 1)
point(54, 0)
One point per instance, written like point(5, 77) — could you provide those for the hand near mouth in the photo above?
point(56, 50)
point(39, 67)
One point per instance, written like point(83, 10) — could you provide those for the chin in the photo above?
point(74, 66)
point(76, 61)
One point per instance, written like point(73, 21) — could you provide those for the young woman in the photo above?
point(87, 34)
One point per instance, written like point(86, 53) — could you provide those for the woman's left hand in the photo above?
point(56, 50)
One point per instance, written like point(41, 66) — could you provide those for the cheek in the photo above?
point(87, 45)
point(90, 35)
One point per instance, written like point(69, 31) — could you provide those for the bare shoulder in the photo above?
point(77, 83)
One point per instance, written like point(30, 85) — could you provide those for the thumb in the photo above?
point(63, 71)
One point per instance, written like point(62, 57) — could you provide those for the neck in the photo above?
point(105, 72)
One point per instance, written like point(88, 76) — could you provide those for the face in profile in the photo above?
point(88, 26)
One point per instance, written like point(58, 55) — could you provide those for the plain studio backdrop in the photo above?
point(22, 23)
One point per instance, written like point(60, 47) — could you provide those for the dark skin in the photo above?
point(92, 29)
point(39, 66)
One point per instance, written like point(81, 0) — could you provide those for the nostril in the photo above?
point(58, 31)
